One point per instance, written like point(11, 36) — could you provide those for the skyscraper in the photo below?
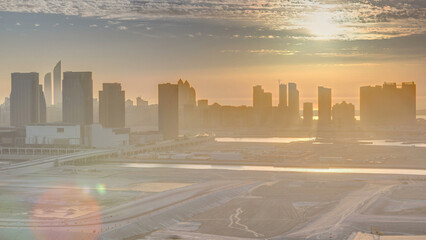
point(343, 114)
point(308, 113)
point(261, 99)
point(57, 81)
point(389, 104)
point(324, 105)
point(42, 113)
point(111, 106)
point(282, 96)
point(258, 96)
point(187, 103)
point(48, 88)
point(168, 110)
point(293, 101)
point(77, 103)
point(187, 94)
point(25, 99)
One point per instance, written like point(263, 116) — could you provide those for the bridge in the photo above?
point(85, 156)
point(38, 151)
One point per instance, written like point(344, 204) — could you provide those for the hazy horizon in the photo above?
point(221, 48)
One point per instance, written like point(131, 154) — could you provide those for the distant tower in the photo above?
point(48, 88)
point(308, 113)
point(293, 101)
point(258, 96)
point(343, 114)
point(282, 96)
point(390, 104)
point(168, 110)
point(25, 99)
point(77, 104)
point(261, 98)
point(111, 106)
point(42, 113)
point(141, 103)
point(57, 84)
point(324, 105)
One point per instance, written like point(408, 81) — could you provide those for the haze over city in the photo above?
point(221, 120)
point(221, 47)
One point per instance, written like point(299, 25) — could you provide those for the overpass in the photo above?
point(79, 157)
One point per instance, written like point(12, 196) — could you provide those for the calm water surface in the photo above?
point(418, 172)
point(313, 140)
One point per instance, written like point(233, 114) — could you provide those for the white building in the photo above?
point(74, 135)
point(98, 137)
point(55, 134)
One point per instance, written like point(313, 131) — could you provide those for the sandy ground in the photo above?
point(110, 201)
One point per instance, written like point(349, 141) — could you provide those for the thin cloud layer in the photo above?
point(350, 19)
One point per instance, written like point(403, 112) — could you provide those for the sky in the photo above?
point(221, 47)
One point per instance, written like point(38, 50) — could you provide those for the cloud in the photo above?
point(262, 51)
point(355, 18)
point(93, 25)
point(18, 24)
point(36, 25)
point(122, 28)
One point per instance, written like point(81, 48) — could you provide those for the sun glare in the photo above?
point(322, 26)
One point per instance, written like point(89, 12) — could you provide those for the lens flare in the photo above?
point(101, 189)
point(57, 214)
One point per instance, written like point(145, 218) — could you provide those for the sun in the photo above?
point(321, 25)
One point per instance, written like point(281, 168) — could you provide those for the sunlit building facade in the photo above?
point(27, 104)
point(112, 106)
point(324, 105)
point(168, 110)
point(77, 103)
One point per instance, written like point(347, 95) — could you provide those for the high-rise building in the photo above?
point(129, 103)
point(343, 114)
point(111, 106)
point(389, 104)
point(95, 110)
point(308, 112)
point(282, 96)
point(48, 88)
point(5, 112)
point(26, 100)
point(187, 103)
point(293, 101)
point(187, 95)
point(42, 110)
point(261, 99)
point(77, 103)
point(57, 84)
point(324, 105)
point(258, 96)
point(168, 110)
point(141, 103)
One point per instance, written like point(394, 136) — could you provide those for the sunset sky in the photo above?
point(223, 48)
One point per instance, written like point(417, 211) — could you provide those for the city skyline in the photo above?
point(246, 43)
point(275, 98)
point(212, 119)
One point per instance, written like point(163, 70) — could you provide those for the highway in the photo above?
point(38, 164)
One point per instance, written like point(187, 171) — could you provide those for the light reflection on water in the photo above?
point(418, 172)
point(264, 140)
point(391, 144)
point(313, 140)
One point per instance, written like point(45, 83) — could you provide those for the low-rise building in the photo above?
point(69, 135)
point(54, 134)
